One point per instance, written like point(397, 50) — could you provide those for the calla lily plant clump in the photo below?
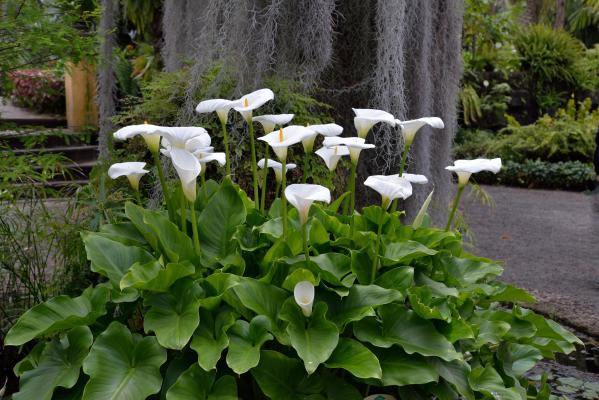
point(218, 295)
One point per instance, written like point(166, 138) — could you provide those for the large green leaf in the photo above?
point(174, 316)
point(466, 271)
point(333, 268)
point(59, 365)
point(123, 366)
point(455, 372)
point(405, 328)
point(153, 277)
point(400, 369)
point(359, 303)
point(428, 306)
point(245, 341)
point(488, 381)
point(219, 220)
point(211, 339)
point(58, 314)
point(518, 358)
point(314, 339)
point(176, 245)
point(197, 384)
point(124, 232)
point(281, 377)
point(260, 297)
point(354, 357)
point(110, 258)
point(135, 214)
point(405, 252)
point(399, 278)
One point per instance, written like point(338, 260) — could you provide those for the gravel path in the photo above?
point(549, 242)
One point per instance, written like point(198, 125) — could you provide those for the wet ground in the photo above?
point(549, 243)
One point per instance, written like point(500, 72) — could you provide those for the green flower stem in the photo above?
point(223, 125)
point(138, 198)
point(375, 262)
point(456, 201)
point(183, 213)
point(283, 198)
point(194, 227)
point(402, 167)
point(305, 240)
point(203, 183)
point(167, 199)
point(352, 188)
point(254, 166)
point(265, 178)
point(277, 188)
point(305, 171)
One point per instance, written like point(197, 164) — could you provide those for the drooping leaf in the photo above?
point(153, 277)
point(174, 316)
point(354, 357)
point(455, 372)
point(57, 314)
point(400, 278)
point(465, 271)
point(245, 341)
point(260, 297)
point(518, 358)
point(197, 384)
point(135, 214)
point(110, 258)
point(59, 366)
point(176, 245)
point(405, 328)
point(31, 360)
point(211, 338)
point(405, 252)
point(488, 381)
point(219, 220)
point(401, 369)
point(122, 365)
point(315, 340)
point(124, 232)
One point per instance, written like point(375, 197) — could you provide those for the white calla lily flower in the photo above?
point(355, 145)
point(251, 101)
point(366, 118)
point(283, 138)
point(188, 168)
point(150, 133)
point(390, 187)
point(269, 121)
point(415, 178)
point(465, 168)
point(188, 138)
point(303, 293)
point(302, 195)
point(411, 127)
point(320, 129)
point(332, 155)
point(277, 167)
point(220, 106)
point(206, 155)
point(132, 170)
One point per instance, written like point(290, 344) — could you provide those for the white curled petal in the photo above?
point(303, 293)
point(188, 168)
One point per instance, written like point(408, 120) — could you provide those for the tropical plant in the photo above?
point(283, 304)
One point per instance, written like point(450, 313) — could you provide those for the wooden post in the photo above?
point(80, 94)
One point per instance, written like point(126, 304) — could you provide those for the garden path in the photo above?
point(549, 242)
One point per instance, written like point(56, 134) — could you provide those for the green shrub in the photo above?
point(569, 175)
point(224, 324)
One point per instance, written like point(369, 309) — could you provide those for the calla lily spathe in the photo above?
point(251, 101)
point(415, 178)
point(220, 106)
point(390, 187)
point(277, 167)
point(322, 129)
point(366, 118)
point(188, 168)
point(206, 155)
point(302, 195)
point(269, 121)
point(411, 127)
point(132, 170)
point(283, 138)
point(355, 145)
point(189, 138)
point(332, 155)
point(465, 168)
point(303, 293)
point(150, 133)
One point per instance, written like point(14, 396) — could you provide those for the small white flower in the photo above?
point(269, 121)
point(303, 293)
point(486, 83)
point(322, 129)
point(252, 101)
point(150, 133)
point(277, 167)
point(415, 178)
point(332, 155)
point(283, 138)
point(411, 127)
point(390, 187)
point(366, 118)
point(220, 106)
point(465, 168)
point(355, 145)
point(302, 195)
point(132, 170)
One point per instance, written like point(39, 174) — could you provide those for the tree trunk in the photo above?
point(560, 14)
point(532, 13)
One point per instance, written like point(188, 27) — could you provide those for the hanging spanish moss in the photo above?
point(106, 90)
